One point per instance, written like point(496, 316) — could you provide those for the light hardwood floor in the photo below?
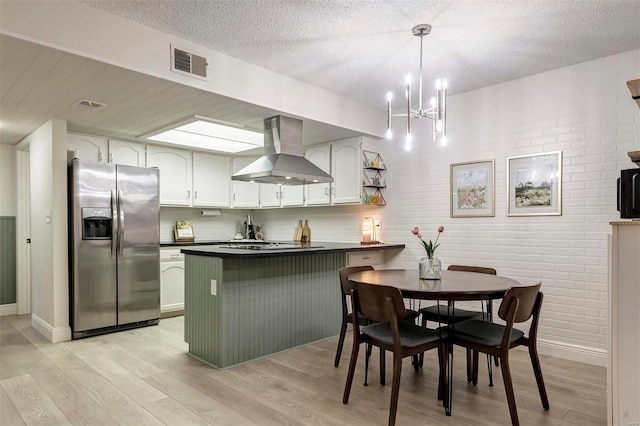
point(144, 376)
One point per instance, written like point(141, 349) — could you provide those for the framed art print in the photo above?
point(535, 184)
point(472, 189)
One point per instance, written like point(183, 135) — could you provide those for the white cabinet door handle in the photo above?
point(188, 194)
point(195, 194)
point(326, 191)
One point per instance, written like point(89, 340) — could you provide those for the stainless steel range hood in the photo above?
point(284, 161)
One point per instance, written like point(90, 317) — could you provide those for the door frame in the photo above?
point(23, 228)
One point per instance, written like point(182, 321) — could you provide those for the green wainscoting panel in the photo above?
point(262, 305)
point(7, 260)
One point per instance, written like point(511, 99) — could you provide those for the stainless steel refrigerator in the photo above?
point(114, 247)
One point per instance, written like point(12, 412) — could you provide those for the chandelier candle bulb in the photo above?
point(408, 108)
point(389, 97)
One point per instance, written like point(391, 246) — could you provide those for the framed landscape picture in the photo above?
point(472, 189)
point(535, 184)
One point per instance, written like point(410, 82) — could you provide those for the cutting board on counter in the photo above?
point(297, 235)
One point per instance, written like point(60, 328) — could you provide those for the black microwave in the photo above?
point(629, 194)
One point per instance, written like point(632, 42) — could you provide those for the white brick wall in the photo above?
point(585, 111)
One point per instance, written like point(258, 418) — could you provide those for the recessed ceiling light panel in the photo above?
point(211, 136)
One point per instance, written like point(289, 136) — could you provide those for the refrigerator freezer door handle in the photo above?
point(120, 224)
point(114, 221)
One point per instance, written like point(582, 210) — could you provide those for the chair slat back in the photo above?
point(478, 269)
point(373, 302)
point(345, 272)
point(526, 302)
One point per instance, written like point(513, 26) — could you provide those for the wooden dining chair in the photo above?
point(446, 315)
point(347, 317)
point(384, 305)
point(518, 305)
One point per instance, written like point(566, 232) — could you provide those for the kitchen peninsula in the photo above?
point(245, 303)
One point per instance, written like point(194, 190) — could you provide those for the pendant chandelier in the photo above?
point(437, 111)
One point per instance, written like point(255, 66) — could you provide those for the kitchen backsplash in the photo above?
point(336, 223)
point(222, 227)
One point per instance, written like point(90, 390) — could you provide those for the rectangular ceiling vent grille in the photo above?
point(85, 103)
point(187, 63)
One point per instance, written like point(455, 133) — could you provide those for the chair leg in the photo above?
point(490, 370)
point(442, 376)
point(395, 388)
point(383, 368)
point(469, 366)
point(343, 333)
point(367, 355)
point(474, 368)
point(508, 387)
point(421, 356)
point(535, 362)
point(352, 369)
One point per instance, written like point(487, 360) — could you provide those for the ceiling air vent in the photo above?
point(187, 63)
point(85, 103)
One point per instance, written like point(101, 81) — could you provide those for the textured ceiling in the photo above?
point(362, 49)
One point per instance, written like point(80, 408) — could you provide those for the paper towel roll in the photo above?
point(211, 212)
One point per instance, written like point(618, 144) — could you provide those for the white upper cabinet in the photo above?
point(319, 193)
point(244, 194)
point(269, 195)
point(346, 169)
point(87, 147)
point(291, 195)
point(175, 174)
point(127, 153)
point(211, 180)
point(273, 195)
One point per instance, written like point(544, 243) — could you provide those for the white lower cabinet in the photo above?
point(365, 257)
point(171, 280)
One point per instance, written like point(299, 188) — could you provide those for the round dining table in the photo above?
point(451, 287)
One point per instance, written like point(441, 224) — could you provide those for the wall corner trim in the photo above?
point(53, 334)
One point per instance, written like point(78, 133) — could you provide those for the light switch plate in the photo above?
point(214, 287)
point(47, 216)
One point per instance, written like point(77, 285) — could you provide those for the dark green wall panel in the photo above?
point(7, 260)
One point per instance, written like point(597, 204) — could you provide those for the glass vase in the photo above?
point(430, 268)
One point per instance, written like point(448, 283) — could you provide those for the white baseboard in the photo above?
point(53, 334)
point(573, 352)
point(8, 309)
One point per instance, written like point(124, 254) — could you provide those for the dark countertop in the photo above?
point(315, 248)
point(195, 243)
